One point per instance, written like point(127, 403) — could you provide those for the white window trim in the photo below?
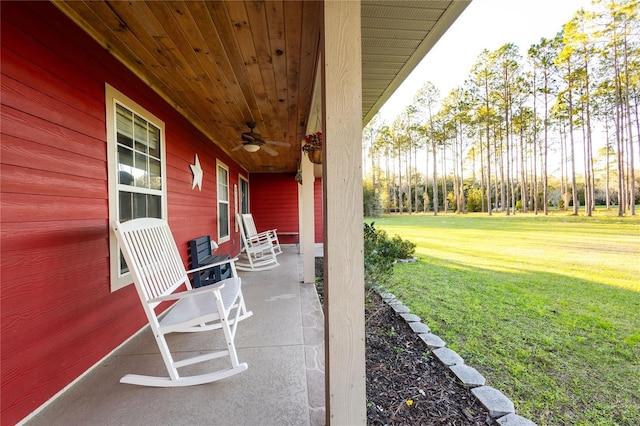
point(222, 239)
point(111, 96)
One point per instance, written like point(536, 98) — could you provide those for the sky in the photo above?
point(484, 24)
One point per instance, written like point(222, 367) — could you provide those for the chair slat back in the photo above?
point(243, 229)
point(152, 256)
point(249, 224)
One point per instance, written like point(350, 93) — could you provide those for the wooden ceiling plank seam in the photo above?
point(293, 29)
point(121, 46)
point(212, 131)
point(257, 17)
point(310, 39)
point(239, 17)
point(250, 53)
point(141, 59)
point(205, 107)
point(218, 57)
point(170, 40)
point(118, 45)
point(275, 23)
point(210, 72)
point(221, 20)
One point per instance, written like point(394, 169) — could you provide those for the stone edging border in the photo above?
point(500, 408)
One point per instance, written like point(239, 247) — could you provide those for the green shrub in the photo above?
point(371, 204)
point(380, 253)
point(474, 200)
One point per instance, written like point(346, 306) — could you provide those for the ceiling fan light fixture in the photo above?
point(251, 147)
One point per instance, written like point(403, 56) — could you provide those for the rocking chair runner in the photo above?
point(250, 227)
point(159, 276)
point(258, 251)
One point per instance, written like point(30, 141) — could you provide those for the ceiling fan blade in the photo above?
point(269, 151)
point(237, 147)
point(278, 143)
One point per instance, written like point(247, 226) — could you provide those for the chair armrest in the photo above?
point(212, 265)
point(187, 293)
point(260, 238)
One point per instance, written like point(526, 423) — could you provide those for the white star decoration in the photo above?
point(197, 174)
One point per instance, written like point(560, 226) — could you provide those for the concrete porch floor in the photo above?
point(283, 343)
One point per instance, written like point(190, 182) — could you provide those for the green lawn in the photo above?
point(546, 308)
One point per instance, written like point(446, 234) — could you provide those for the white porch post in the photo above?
point(307, 221)
point(342, 211)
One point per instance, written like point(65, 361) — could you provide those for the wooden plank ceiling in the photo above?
point(225, 63)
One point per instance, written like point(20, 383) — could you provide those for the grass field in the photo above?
point(546, 308)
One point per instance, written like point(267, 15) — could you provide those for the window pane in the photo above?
point(222, 176)
point(223, 185)
point(223, 219)
point(155, 174)
point(154, 141)
point(139, 205)
point(140, 134)
point(244, 196)
point(125, 206)
point(141, 173)
point(154, 206)
point(124, 126)
point(125, 166)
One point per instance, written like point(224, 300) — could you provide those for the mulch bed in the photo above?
point(406, 384)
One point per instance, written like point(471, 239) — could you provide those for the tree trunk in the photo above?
point(572, 144)
point(399, 205)
point(445, 199)
point(632, 175)
point(435, 181)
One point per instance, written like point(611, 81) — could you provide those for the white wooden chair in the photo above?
point(258, 253)
point(250, 227)
point(160, 276)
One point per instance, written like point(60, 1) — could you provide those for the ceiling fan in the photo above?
point(252, 141)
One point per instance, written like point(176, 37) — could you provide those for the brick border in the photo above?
point(500, 408)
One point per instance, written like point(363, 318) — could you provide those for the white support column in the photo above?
point(307, 222)
point(342, 211)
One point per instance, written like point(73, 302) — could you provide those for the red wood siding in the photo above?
point(273, 201)
point(58, 315)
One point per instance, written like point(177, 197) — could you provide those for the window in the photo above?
point(137, 170)
point(244, 195)
point(222, 177)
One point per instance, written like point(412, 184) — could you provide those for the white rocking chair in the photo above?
point(258, 252)
point(250, 227)
point(160, 276)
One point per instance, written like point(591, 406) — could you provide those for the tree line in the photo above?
point(555, 127)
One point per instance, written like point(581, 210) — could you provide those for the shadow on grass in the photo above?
point(565, 350)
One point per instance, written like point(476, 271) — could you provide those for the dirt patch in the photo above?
point(406, 384)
